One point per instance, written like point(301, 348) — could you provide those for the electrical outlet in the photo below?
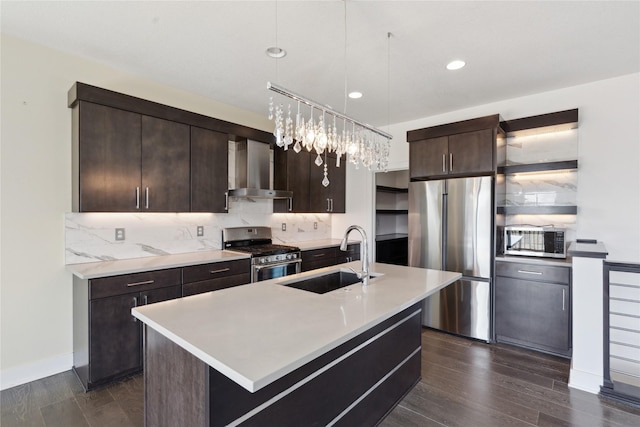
point(200, 231)
point(315, 225)
point(119, 233)
point(284, 226)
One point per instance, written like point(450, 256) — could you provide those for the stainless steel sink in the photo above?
point(326, 282)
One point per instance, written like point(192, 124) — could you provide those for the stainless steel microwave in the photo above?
point(534, 241)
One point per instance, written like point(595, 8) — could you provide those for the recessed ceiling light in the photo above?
point(276, 52)
point(455, 65)
point(355, 95)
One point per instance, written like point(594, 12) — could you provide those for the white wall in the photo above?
point(608, 157)
point(35, 289)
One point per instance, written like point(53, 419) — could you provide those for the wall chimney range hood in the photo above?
point(252, 172)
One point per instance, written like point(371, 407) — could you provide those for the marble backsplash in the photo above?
point(90, 237)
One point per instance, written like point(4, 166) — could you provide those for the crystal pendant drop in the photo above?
point(319, 161)
point(325, 180)
point(297, 147)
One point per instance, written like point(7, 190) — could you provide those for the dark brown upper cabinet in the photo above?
point(135, 155)
point(292, 172)
point(330, 199)
point(165, 166)
point(128, 162)
point(297, 172)
point(209, 170)
point(454, 150)
point(109, 161)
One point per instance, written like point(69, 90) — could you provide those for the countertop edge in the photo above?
point(588, 250)
point(100, 269)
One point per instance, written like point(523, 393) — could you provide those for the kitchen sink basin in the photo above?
point(327, 282)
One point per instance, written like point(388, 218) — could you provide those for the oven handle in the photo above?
point(291, 261)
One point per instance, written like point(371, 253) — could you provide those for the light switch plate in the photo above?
point(284, 226)
point(200, 231)
point(315, 225)
point(119, 233)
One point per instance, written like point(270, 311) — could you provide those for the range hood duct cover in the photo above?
point(252, 172)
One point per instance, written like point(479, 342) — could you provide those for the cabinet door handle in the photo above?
point(331, 203)
point(444, 163)
point(145, 299)
point(222, 270)
point(226, 200)
point(146, 282)
point(537, 273)
point(318, 255)
point(328, 205)
point(146, 198)
point(135, 304)
point(450, 162)
point(563, 300)
point(137, 197)
point(290, 204)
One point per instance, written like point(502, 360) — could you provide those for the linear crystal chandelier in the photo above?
point(325, 130)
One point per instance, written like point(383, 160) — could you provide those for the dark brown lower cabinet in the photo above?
point(202, 278)
point(107, 340)
point(534, 313)
point(326, 257)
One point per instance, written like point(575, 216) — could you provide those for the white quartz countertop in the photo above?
point(560, 262)
point(259, 332)
point(319, 244)
point(92, 270)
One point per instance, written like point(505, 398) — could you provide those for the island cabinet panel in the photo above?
point(356, 383)
point(209, 170)
point(212, 277)
point(107, 338)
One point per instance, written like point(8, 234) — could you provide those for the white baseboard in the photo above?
point(585, 381)
point(26, 373)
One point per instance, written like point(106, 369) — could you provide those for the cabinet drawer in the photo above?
point(543, 273)
point(317, 255)
point(137, 282)
point(215, 284)
point(215, 270)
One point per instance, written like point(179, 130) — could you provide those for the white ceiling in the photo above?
point(217, 49)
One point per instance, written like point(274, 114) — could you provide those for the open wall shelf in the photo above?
point(537, 210)
point(538, 167)
point(385, 189)
point(392, 211)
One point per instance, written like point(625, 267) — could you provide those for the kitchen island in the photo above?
point(268, 354)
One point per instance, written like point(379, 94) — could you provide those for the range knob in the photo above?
point(262, 260)
point(289, 256)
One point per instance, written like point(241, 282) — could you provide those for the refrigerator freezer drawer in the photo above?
point(461, 308)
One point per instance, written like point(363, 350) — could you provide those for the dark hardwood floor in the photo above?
point(464, 383)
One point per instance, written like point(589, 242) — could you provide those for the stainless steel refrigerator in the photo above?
point(451, 228)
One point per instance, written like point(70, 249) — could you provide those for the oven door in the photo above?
point(272, 271)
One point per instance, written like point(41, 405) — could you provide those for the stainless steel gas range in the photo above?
point(268, 260)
